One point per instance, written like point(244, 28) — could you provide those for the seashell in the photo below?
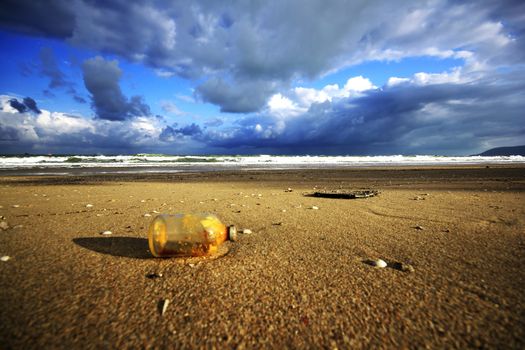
point(89, 205)
point(314, 207)
point(165, 306)
point(380, 263)
point(5, 258)
point(4, 225)
point(246, 231)
point(16, 206)
point(147, 215)
point(106, 233)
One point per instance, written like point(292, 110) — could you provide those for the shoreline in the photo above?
point(190, 169)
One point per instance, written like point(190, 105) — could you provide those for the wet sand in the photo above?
point(300, 280)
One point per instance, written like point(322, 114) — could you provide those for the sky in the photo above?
point(340, 77)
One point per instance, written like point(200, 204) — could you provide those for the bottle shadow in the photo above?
point(128, 247)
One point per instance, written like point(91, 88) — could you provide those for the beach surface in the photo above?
point(453, 239)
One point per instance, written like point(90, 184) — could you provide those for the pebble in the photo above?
point(154, 275)
point(106, 233)
point(407, 268)
point(15, 206)
point(5, 258)
point(4, 225)
point(246, 231)
point(380, 263)
point(284, 210)
point(147, 215)
point(288, 190)
point(314, 207)
point(165, 304)
point(143, 201)
point(89, 205)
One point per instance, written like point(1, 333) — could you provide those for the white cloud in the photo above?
point(57, 123)
point(454, 76)
point(300, 99)
point(282, 106)
point(162, 73)
point(170, 107)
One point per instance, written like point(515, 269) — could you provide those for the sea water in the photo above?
point(151, 163)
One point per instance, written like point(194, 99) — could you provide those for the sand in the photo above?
point(453, 240)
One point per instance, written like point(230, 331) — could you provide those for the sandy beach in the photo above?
point(453, 239)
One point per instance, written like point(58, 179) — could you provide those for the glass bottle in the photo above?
point(197, 234)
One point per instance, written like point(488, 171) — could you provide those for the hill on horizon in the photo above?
point(505, 151)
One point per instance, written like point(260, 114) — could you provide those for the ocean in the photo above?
point(154, 163)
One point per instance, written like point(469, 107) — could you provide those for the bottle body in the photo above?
point(186, 235)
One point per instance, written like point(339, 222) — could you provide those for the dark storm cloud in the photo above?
point(265, 45)
point(27, 104)
point(409, 119)
point(8, 134)
point(31, 105)
point(101, 79)
point(20, 107)
point(172, 133)
point(249, 97)
point(54, 18)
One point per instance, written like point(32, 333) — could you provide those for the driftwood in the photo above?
point(345, 194)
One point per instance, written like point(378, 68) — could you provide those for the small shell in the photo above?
point(246, 231)
point(314, 207)
point(380, 263)
point(106, 233)
point(142, 201)
point(5, 258)
point(89, 205)
point(419, 227)
point(15, 205)
point(4, 225)
point(147, 215)
point(165, 306)
point(155, 211)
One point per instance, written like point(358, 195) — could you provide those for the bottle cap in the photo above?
point(232, 233)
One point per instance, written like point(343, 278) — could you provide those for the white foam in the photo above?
point(261, 161)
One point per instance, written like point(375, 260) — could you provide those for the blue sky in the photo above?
point(287, 77)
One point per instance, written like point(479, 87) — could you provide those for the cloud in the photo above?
point(57, 78)
point(57, 132)
point(245, 52)
point(172, 134)
point(170, 107)
point(50, 69)
point(243, 97)
point(437, 117)
point(101, 78)
point(27, 105)
point(31, 105)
